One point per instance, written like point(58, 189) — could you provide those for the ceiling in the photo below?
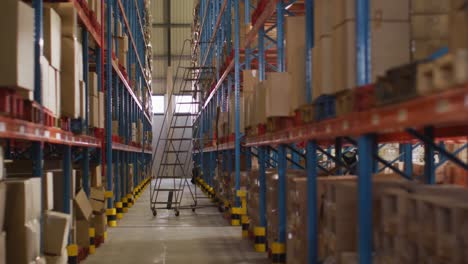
point(172, 24)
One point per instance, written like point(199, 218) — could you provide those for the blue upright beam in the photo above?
point(280, 36)
point(338, 154)
point(282, 166)
point(262, 186)
point(365, 199)
point(67, 178)
point(309, 5)
point(429, 163)
point(408, 158)
point(108, 104)
point(312, 217)
point(363, 66)
point(237, 94)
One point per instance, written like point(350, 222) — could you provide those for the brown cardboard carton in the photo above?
point(422, 49)
point(325, 67)
point(101, 109)
point(83, 206)
point(52, 41)
point(277, 87)
point(58, 92)
point(96, 177)
point(98, 207)
point(260, 97)
point(430, 6)
point(99, 223)
point(323, 17)
point(250, 78)
point(48, 191)
point(24, 245)
point(458, 33)
point(17, 46)
point(92, 84)
point(2, 247)
point(23, 202)
point(93, 111)
point(3, 195)
point(295, 60)
point(70, 80)
point(82, 233)
point(430, 26)
point(52, 93)
point(56, 229)
point(62, 258)
point(69, 18)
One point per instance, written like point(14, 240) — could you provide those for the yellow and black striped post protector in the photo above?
point(278, 253)
point(104, 236)
point(130, 200)
point(245, 226)
point(260, 239)
point(124, 205)
point(92, 242)
point(226, 206)
point(72, 251)
point(235, 216)
point(108, 194)
point(119, 209)
point(111, 217)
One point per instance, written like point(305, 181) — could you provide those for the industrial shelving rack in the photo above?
point(99, 147)
point(428, 119)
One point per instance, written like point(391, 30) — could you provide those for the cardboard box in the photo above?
point(277, 87)
point(93, 84)
point(97, 199)
point(389, 48)
point(56, 230)
point(82, 233)
point(93, 111)
point(24, 246)
point(52, 92)
point(2, 247)
point(296, 60)
point(17, 46)
point(23, 202)
point(69, 18)
point(430, 26)
point(458, 33)
point(101, 109)
point(98, 207)
point(3, 195)
point(52, 38)
point(430, 6)
point(70, 79)
point(250, 78)
point(259, 99)
point(96, 177)
point(422, 49)
point(60, 259)
point(99, 223)
point(58, 93)
point(323, 18)
point(48, 191)
point(325, 69)
point(83, 206)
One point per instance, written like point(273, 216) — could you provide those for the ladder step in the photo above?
point(188, 103)
point(176, 139)
point(168, 190)
point(171, 164)
point(165, 203)
point(181, 126)
point(171, 177)
point(176, 151)
point(185, 114)
point(190, 91)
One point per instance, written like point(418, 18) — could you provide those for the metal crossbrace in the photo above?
point(174, 163)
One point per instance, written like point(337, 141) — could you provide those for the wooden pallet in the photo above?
point(344, 102)
point(307, 113)
point(275, 124)
point(448, 71)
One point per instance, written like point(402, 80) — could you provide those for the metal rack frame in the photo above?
point(427, 120)
point(127, 107)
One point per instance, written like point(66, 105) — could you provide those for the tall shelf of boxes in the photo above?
point(75, 121)
point(305, 88)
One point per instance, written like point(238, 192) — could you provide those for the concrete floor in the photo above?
point(202, 237)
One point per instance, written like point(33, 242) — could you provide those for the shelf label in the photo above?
point(345, 125)
point(22, 129)
point(36, 132)
point(442, 106)
point(2, 127)
point(402, 115)
point(375, 119)
point(58, 136)
point(47, 134)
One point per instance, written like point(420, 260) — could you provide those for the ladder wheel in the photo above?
point(177, 213)
point(154, 212)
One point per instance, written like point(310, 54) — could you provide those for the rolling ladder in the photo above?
point(176, 137)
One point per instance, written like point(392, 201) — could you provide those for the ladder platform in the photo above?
point(171, 177)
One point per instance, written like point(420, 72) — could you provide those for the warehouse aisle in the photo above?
point(202, 237)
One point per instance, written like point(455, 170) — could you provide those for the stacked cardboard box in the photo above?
point(458, 34)
point(250, 82)
point(424, 224)
point(83, 218)
point(71, 76)
point(295, 60)
point(95, 101)
point(99, 219)
point(22, 223)
point(56, 232)
point(232, 115)
point(429, 27)
point(95, 7)
point(390, 31)
point(17, 48)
